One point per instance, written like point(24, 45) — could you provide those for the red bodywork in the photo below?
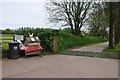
point(31, 48)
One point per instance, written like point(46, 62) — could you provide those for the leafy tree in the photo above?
point(98, 20)
point(8, 31)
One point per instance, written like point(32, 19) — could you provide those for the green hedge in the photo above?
point(67, 41)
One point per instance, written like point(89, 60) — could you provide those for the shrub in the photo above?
point(46, 40)
point(118, 47)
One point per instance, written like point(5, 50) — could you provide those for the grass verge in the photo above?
point(109, 55)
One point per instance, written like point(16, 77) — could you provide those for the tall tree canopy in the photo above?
point(98, 20)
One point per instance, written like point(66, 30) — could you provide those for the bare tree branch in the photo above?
point(72, 13)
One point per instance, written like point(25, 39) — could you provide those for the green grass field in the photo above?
point(5, 38)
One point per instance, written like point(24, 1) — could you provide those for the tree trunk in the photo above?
point(116, 38)
point(117, 25)
point(72, 30)
point(77, 30)
point(111, 25)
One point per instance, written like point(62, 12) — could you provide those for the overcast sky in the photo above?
point(23, 13)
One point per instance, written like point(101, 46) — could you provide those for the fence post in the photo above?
point(55, 44)
point(55, 41)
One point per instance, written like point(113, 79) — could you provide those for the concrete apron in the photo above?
point(60, 66)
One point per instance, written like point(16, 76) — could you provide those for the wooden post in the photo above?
point(55, 44)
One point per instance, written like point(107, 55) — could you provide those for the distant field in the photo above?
point(6, 41)
point(6, 37)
